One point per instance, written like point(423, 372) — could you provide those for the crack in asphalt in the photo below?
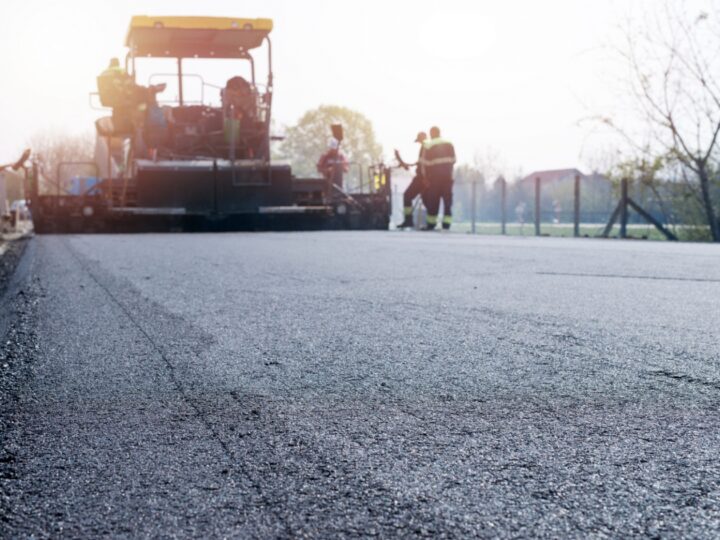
point(629, 276)
point(391, 412)
point(683, 377)
point(202, 415)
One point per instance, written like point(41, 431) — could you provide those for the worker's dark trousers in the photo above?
point(440, 190)
point(335, 178)
point(416, 187)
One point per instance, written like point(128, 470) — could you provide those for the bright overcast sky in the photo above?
point(513, 75)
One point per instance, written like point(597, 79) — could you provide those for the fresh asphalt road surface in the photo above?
point(360, 384)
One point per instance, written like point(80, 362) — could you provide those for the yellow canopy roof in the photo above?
point(202, 37)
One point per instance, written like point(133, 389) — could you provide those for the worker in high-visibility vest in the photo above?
point(417, 186)
point(437, 164)
point(115, 86)
point(128, 100)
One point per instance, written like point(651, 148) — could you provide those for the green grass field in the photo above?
point(639, 231)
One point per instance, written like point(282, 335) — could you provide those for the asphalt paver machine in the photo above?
point(195, 155)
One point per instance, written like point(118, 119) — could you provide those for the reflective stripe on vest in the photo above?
point(439, 161)
point(429, 143)
point(433, 154)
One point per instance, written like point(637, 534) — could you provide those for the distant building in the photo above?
point(597, 199)
point(553, 176)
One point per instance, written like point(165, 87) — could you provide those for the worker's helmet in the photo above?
point(333, 143)
point(421, 136)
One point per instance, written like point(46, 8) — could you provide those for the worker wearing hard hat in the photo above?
point(333, 164)
point(115, 86)
point(417, 186)
point(437, 163)
point(129, 101)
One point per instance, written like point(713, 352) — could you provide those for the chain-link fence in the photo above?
point(580, 205)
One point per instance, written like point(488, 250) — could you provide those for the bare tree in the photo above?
point(52, 148)
point(674, 67)
point(490, 163)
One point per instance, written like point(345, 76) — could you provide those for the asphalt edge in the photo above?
point(22, 250)
point(19, 295)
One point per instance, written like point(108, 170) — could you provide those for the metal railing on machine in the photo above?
point(378, 177)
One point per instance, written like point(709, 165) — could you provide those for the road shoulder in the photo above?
point(18, 294)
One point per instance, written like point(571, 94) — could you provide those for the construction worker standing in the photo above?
point(117, 90)
point(115, 86)
point(437, 163)
point(333, 164)
point(417, 186)
point(129, 101)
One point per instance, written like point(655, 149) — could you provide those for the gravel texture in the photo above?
point(10, 254)
point(361, 384)
point(17, 349)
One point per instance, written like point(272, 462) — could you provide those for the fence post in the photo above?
point(35, 184)
point(503, 205)
point(537, 206)
point(474, 204)
point(576, 216)
point(394, 200)
point(623, 207)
